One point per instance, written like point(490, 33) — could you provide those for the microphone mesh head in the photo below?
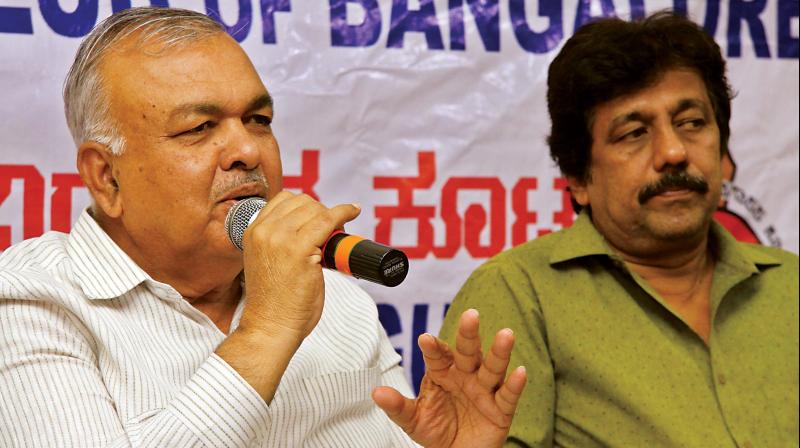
point(240, 216)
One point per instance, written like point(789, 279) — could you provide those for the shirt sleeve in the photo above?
point(52, 392)
point(505, 298)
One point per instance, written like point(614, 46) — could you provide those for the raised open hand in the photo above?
point(465, 399)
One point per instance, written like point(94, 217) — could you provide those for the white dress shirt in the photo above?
point(94, 352)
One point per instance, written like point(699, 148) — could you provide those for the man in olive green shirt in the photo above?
point(645, 323)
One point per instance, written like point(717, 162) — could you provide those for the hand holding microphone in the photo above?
point(345, 253)
point(284, 283)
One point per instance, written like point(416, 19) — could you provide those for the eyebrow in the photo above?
point(626, 118)
point(258, 102)
point(689, 103)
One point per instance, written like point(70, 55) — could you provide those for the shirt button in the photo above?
point(721, 378)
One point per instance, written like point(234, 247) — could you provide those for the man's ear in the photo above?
point(96, 167)
point(579, 191)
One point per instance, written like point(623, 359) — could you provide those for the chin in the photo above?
point(677, 227)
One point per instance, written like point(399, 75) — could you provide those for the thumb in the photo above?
point(401, 410)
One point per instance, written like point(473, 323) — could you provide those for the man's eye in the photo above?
point(261, 120)
point(634, 134)
point(695, 123)
point(201, 128)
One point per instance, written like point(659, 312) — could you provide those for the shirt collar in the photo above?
point(580, 240)
point(583, 240)
point(744, 257)
point(101, 267)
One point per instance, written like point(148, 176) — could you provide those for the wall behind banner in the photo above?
point(430, 113)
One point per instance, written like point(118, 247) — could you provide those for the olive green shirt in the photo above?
point(610, 364)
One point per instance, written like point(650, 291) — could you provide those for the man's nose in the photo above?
point(241, 149)
point(669, 149)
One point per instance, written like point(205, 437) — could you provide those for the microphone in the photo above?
point(348, 254)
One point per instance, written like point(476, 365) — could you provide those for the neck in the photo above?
point(675, 276)
point(219, 304)
point(678, 260)
point(682, 278)
point(669, 256)
point(673, 265)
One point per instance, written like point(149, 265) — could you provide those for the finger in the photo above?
point(508, 396)
point(345, 213)
point(278, 199)
point(435, 352)
point(301, 220)
point(467, 355)
point(286, 202)
point(281, 205)
point(399, 408)
point(320, 227)
point(278, 228)
point(493, 369)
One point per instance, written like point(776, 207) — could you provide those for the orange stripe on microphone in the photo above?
point(342, 254)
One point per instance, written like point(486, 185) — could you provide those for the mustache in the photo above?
point(253, 176)
point(673, 180)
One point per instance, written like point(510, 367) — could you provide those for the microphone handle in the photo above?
point(364, 259)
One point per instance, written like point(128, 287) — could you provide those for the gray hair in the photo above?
point(85, 103)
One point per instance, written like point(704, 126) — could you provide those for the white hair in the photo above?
point(85, 103)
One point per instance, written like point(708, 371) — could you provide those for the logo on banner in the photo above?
point(742, 225)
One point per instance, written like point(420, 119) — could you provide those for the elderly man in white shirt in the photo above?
point(145, 326)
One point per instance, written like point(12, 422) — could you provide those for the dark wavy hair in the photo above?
point(610, 58)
